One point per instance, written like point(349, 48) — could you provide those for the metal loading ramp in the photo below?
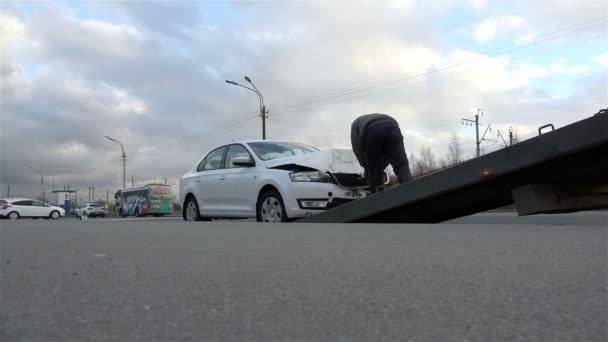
point(563, 170)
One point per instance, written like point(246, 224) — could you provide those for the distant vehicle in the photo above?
point(92, 209)
point(151, 199)
point(15, 208)
point(271, 181)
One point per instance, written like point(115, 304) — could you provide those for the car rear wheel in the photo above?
point(271, 208)
point(55, 215)
point(13, 215)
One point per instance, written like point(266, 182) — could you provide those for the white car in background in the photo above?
point(92, 209)
point(15, 208)
point(271, 181)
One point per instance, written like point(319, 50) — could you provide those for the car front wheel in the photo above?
point(55, 215)
point(271, 208)
point(191, 211)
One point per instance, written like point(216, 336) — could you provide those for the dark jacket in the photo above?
point(357, 133)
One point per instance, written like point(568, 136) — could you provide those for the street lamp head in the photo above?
point(231, 82)
point(247, 79)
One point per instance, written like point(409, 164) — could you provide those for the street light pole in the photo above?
point(124, 161)
point(39, 172)
point(263, 111)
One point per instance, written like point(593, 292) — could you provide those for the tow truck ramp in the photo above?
point(563, 170)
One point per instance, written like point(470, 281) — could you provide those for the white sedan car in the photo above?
point(271, 181)
point(14, 208)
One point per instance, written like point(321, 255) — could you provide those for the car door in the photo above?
point(242, 182)
point(24, 207)
point(211, 185)
point(40, 209)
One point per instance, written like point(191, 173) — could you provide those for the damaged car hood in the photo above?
point(327, 160)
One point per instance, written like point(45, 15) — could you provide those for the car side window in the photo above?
point(23, 203)
point(213, 161)
point(38, 204)
point(201, 165)
point(235, 151)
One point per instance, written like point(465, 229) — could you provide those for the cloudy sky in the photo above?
point(151, 74)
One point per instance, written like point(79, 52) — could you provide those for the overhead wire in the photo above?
point(547, 37)
point(294, 107)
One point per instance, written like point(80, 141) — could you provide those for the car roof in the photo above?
point(259, 140)
point(14, 199)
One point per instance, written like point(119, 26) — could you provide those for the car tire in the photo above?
point(271, 208)
point(13, 215)
point(55, 215)
point(192, 212)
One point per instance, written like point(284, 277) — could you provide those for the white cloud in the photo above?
point(488, 29)
point(602, 59)
point(11, 30)
point(478, 4)
point(561, 68)
point(403, 4)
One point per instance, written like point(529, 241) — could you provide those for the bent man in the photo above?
point(377, 141)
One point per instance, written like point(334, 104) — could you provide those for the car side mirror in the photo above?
point(243, 161)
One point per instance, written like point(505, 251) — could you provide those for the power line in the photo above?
point(206, 135)
point(294, 107)
point(548, 37)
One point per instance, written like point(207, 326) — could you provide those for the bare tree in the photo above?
point(425, 163)
point(455, 151)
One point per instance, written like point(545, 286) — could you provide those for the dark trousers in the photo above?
point(383, 145)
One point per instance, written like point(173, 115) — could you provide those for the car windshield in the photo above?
point(274, 150)
point(2, 202)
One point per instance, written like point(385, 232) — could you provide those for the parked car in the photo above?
point(271, 181)
point(15, 208)
point(92, 209)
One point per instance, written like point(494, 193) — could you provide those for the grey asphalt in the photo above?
point(167, 280)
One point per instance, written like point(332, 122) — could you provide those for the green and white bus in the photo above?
point(150, 199)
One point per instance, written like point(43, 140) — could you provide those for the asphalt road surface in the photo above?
point(488, 277)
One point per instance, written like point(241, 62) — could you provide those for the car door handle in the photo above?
point(198, 180)
point(222, 177)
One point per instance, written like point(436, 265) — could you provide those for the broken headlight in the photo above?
point(309, 176)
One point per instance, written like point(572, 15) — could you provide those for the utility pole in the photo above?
point(263, 110)
point(41, 180)
point(132, 181)
point(468, 122)
point(8, 190)
point(89, 193)
point(165, 180)
point(93, 188)
point(107, 197)
point(510, 136)
point(124, 161)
